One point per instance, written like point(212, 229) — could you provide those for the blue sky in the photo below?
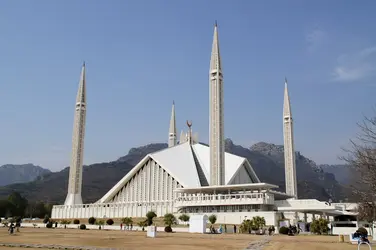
point(143, 54)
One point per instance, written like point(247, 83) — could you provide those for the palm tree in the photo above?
point(150, 216)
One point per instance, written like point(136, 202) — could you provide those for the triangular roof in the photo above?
point(179, 161)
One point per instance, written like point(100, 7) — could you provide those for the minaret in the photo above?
point(172, 131)
point(288, 139)
point(75, 171)
point(216, 129)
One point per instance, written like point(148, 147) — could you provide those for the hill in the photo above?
point(10, 174)
point(266, 159)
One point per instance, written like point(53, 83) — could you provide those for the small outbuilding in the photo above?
point(197, 223)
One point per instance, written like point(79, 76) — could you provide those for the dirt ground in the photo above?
point(126, 239)
point(138, 240)
point(310, 242)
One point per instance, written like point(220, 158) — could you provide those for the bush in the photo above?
point(149, 217)
point(75, 221)
point(168, 229)
point(362, 230)
point(110, 222)
point(283, 230)
point(49, 224)
point(82, 226)
point(92, 220)
point(319, 226)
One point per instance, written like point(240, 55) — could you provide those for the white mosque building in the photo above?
point(189, 177)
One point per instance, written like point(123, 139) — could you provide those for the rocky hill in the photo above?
point(266, 159)
point(10, 174)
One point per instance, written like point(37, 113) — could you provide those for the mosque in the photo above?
point(193, 178)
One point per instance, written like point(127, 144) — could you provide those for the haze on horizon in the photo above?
point(141, 55)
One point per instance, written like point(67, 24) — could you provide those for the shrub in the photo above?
point(92, 220)
point(75, 221)
point(49, 224)
point(283, 230)
point(168, 229)
point(362, 230)
point(82, 226)
point(65, 222)
point(319, 226)
point(110, 222)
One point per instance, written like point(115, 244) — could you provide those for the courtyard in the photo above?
point(138, 240)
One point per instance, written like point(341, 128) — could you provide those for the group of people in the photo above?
point(13, 226)
point(221, 229)
point(127, 227)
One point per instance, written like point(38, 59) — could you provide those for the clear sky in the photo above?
point(143, 54)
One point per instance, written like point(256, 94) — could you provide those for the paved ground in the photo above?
point(43, 238)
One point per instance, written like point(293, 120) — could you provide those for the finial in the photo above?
point(83, 65)
point(215, 23)
point(173, 102)
point(189, 124)
point(285, 79)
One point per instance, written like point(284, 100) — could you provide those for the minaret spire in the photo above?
point(288, 139)
point(75, 171)
point(216, 119)
point(172, 130)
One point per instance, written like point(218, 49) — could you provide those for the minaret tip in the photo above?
point(215, 24)
point(285, 79)
point(83, 65)
point(173, 102)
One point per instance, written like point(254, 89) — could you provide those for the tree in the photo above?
point(212, 219)
point(127, 221)
point(169, 220)
point(361, 157)
point(258, 222)
point(184, 217)
point(149, 217)
point(46, 219)
point(19, 204)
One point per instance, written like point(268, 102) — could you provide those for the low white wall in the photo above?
point(345, 230)
point(105, 227)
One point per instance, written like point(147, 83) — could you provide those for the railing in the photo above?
point(217, 200)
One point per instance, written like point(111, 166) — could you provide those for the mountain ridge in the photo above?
point(20, 173)
point(267, 159)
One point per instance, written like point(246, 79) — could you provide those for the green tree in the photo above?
point(212, 219)
point(19, 204)
point(258, 222)
point(169, 220)
point(149, 217)
point(184, 218)
point(127, 221)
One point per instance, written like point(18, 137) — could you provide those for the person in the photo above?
point(225, 228)
point(131, 226)
point(234, 229)
point(121, 226)
point(270, 230)
point(11, 228)
point(220, 228)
